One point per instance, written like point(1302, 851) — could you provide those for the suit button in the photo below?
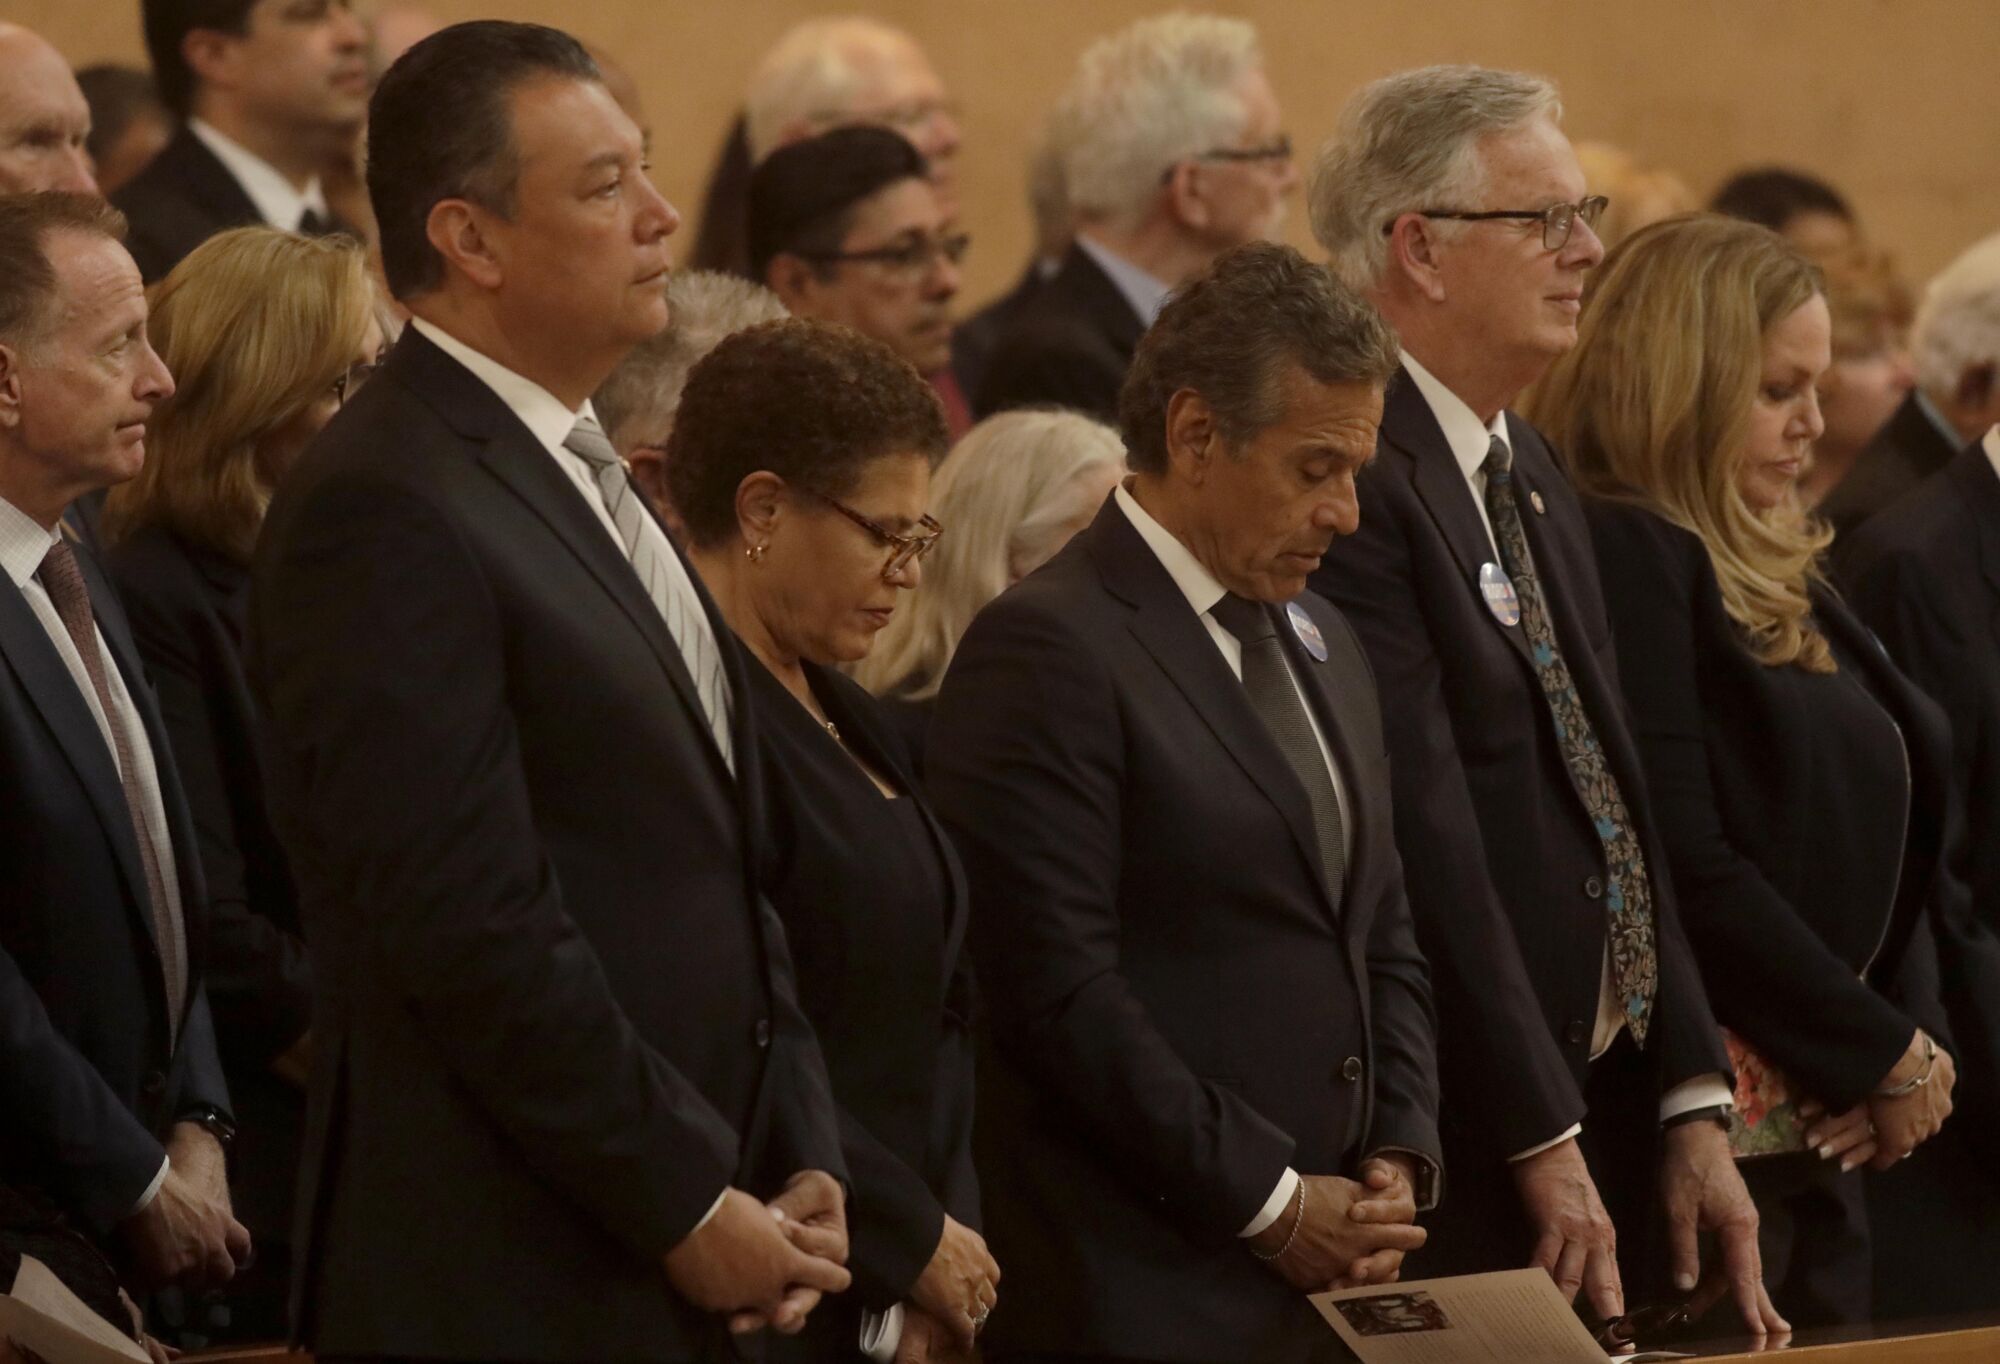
point(1593, 887)
point(1576, 1033)
point(154, 1085)
point(1350, 1069)
point(762, 1032)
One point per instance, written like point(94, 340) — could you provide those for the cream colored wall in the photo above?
point(1895, 100)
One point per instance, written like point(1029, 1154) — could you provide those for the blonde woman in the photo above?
point(1797, 777)
point(266, 334)
point(1014, 491)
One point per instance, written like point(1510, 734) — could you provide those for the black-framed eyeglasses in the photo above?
point(1557, 220)
point(350, 380)
point(1278, 148)
point(916, 255)
point(902, 548)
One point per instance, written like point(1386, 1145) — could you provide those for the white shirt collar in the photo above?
point(1992, 444)
point(23, 543)
point(1146, 294)
point(539, 410)
point(1190, 575)
point(1469, 438)
point(278, 203)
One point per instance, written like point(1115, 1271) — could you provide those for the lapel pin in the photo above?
point(1498, 589)
point(1535, 501)
point(1306, 630)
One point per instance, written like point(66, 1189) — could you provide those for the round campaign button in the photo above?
point(1498, 589)
point(1308, 633)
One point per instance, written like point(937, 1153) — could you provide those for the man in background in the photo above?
point(44, 119)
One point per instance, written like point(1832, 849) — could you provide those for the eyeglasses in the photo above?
point(1278, 149)
point(902, 548)
point(918, 255)
point(1557, 220)
point(350, 380)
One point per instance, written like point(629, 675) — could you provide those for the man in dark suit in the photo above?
point(1569, 1002)
point(1210, 1081)
point(117, 1113)
point(269, 91)
point(1157, 197)
point(558, 1060)
point(973, 340)
point(1955, 345)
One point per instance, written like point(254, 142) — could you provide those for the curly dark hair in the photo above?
point(812, 402)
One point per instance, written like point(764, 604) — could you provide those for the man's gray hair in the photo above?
point(1408, 142)
point(1145, 98)
point(636, 404)
point(812, 75)
point(1232, 333)
point(1958, 321)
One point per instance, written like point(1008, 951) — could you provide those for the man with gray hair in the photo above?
point(1956, 347)
point(1173, 152)
point(1211, 1083)
point(44, 119)
point(1586, 1073)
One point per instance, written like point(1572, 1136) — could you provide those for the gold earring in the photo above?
point(755, 554)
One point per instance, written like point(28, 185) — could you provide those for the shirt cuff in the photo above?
point(1703, 1091)
point(708, 1216)
point(1280, 1199)
point(153, 1189)
point(1575, 1130)
point(882, 1333)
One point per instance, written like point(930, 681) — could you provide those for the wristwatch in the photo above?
point(1715, 1113)
point(213, 1121)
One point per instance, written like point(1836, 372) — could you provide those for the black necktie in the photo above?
point(1276, 700)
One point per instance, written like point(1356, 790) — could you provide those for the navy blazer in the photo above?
point(90, 1080)
point(1178, 1011)
point(1068, 344)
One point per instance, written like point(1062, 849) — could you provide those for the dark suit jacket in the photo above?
point(189, 606)
point(554, 1016)
point(1907, 450)
point(1178, 1011)
point(89, 1079)
point(1802, 887)
point(973, 340)
point(1069, 346)
point(876, 919)
point(180, 200)
point(1506, 872)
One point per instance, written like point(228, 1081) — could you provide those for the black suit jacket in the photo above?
point(973, 340)
point(180, 200)
point(1178, 1012)
point(1907, 450)
point(1069, 346)
point(89, 1080)
point(189, 606)
point(1506, 872)
point(1802, 952)
point(554, 1017)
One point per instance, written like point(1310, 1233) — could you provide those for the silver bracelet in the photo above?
point(1917, 1081)
point(1297, 1218)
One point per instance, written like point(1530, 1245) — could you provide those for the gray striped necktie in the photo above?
point(663, 575)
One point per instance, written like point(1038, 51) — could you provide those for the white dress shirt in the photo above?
point(1146, 294)
point(278, 201)
point(1991, 445)
point(1470, 439)
point(23, 546)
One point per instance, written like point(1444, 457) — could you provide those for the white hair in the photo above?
point(1003, 494)
point(813, 73)
point(1411, 141)
point(637, 402)
point(1048, 192)
point(1145, 98)
point(1958, 321)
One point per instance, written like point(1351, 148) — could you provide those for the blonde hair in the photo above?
point(255, 326)
point(1652, 406)
point(1003, 494)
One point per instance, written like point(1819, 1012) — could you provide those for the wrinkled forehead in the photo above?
point(36, 83)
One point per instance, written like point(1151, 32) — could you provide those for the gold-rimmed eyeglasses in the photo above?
point(903, 549)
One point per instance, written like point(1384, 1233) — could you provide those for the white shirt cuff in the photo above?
point(1703, 1091)
point(709, 1216)
point(1575, 1130)
point(153, 1189)
point(1280, 1199)
point(881, 1334)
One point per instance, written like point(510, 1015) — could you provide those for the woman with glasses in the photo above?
point(266, 334)
point(1799, 780)
point(800, 465)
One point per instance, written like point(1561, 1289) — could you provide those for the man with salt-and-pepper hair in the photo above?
point(1173, 152)
point(1210, 1080)
point(1589, 1087)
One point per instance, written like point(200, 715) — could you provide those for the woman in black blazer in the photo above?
point(1801, 783)
point(265, 334)
point(800, 465)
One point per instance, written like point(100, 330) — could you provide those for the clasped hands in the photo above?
point(187, 1236)
point(766, 1264)
point(1348, 1232)
point(1886, 1127)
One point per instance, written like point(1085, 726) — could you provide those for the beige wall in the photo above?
point(1895, 100)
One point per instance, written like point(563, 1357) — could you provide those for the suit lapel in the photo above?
point(1979, 501)
point(208, 183)
point(1100, 300)
point(1334, 708)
